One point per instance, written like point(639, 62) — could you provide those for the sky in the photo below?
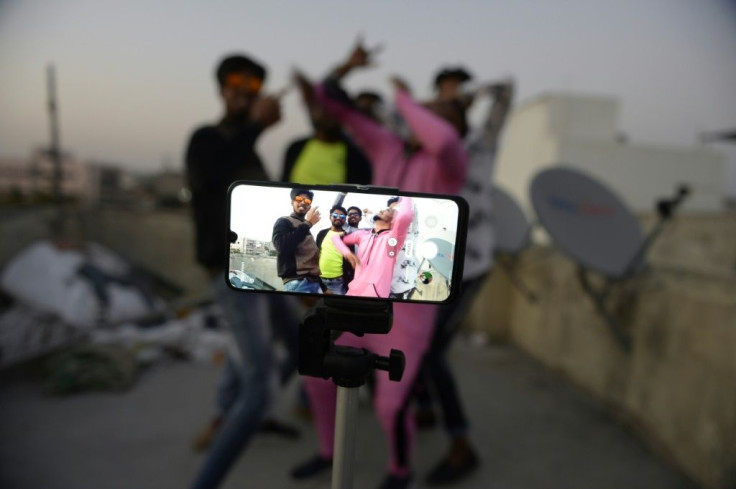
point(136, 78)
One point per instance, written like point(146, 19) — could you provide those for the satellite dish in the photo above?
point(596, 229)
point(512, 229)
point(512, 234)
point(588, 221)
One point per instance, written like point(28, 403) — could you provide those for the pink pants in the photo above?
point(411, 333)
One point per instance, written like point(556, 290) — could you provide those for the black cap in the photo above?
point(301, 191)
point(238, 62)
point(455, 72)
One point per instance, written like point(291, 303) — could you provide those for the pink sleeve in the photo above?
point(341, 242)
point(437, 136)
point(403, 220)
point(373, 138)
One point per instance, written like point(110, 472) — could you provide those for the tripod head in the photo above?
point(348, 367)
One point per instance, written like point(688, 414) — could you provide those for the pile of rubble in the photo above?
point(88, 302)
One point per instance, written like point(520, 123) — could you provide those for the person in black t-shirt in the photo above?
point(216, 156)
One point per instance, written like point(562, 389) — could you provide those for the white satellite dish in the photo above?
point(587, 221)
point(594, 227)
point(512, 234)
point(511, 227)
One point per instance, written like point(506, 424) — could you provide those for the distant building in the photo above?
point(33, 178)
point(168, 188)
point(15, 178)
point(582, 132)
point(255, 247)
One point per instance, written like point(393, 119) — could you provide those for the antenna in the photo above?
point(54, 150)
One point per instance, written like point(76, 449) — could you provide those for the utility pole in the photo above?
point(55, 147)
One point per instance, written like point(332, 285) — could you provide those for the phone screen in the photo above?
point(345, 241)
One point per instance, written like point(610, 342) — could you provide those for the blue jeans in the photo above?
point(246, 315)
point(336, 285)
point(302, 285)
point(285, 318)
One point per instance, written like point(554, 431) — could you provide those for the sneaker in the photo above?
point(314, 466)
point(425, 418)
point(303, 412)
point(450, 470)
point(395, 482)
point(204, 438)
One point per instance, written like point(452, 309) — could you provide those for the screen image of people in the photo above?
point(298, 239)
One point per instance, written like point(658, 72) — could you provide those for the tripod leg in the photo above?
point(345, 429)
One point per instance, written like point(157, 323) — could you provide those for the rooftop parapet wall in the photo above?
point(675, 388)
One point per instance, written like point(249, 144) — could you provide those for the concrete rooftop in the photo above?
point(531, 429)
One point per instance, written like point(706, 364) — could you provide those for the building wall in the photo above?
point(581, 131)
point(580, 117)
point(527, 147)
point(643, 174)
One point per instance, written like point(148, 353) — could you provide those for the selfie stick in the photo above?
point(348, 367)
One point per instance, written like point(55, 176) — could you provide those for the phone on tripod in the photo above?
point(345, 241)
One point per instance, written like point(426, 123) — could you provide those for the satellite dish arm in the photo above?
point(665, 209)
point(507, 266)
point(599, 300)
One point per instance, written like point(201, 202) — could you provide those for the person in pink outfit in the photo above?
point(431, 160)
point(377, 249)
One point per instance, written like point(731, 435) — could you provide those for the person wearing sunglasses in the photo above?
point(297, 259)
point(217, 155)
point(335, 269)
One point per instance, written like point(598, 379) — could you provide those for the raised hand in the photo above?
point(399, 84)
point(313, 216)
point(266, 111)
point(305, 86)
point(359, 57)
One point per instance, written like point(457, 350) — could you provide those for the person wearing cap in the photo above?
point(216, 156)
point(297, 261)
point(481, 144)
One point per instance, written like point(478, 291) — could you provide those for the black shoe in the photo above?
point(447, 473)
point(273, 427)
point(395, 482)
point(425, 418)
point(314, 466)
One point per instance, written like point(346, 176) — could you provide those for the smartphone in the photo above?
point(342, 240)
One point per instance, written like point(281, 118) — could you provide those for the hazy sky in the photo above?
point(135, 78)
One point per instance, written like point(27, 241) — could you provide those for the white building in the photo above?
point(582, 132)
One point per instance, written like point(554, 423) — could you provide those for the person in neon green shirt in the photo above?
point(335, 271)
point(327, 156)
